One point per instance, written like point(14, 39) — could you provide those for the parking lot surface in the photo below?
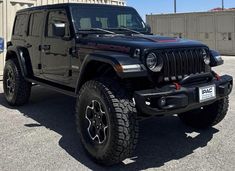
point(41, 136)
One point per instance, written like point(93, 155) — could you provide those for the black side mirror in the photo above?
point(216, 58)
point(59, 29)
point(1, 44)
point(148, 28)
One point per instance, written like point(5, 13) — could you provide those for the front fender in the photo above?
point(119, 63)
point(19, 52)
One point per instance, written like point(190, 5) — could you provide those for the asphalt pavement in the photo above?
point(42, 136)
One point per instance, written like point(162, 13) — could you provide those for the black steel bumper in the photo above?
point(168, 100)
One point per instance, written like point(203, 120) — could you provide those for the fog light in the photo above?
point(162, 102)
point(148, 103)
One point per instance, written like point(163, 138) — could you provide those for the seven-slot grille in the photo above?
point(178, 63)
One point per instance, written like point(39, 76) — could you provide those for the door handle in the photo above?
point(45, 47)
point(28, 45)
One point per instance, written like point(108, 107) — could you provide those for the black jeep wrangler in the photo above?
point(107, 58)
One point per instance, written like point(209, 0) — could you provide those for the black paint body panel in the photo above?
point(63, 63)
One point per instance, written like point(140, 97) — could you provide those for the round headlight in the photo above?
point(151, 61)
point(206, 57)
point(207, 60)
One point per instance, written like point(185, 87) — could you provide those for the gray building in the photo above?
point(216, 29)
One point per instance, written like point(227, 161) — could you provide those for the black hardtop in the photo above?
point(66, 5)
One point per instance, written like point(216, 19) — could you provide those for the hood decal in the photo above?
point(159, 39)
point(110, 47)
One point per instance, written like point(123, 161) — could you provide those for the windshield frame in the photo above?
point(77, 31)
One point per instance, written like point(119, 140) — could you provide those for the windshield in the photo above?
point(107, 18)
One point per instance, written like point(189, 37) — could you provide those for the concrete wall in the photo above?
point(216, 29)
point(8, 9)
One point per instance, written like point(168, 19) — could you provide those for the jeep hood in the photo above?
point(123, 43)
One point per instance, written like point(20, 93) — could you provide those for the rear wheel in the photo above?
point(16, 89)
point(106, 121)
point(206, 116)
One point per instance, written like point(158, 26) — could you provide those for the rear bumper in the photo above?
point(171, 101)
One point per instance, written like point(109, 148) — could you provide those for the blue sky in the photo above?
point(166, 6)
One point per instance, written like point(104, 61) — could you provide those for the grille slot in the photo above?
point(179, 63)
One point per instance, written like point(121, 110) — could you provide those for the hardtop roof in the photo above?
point(65, 5)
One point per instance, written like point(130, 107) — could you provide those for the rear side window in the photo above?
point(21, 23)
point(36, 24)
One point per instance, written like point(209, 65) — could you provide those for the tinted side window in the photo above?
point(55, 17)
point(21, 23)
point(35, 24)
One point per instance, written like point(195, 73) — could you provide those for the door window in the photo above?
point(59, 20)
point(35, 24)
point(20, 26)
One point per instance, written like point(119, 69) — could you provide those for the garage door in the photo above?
point(177, 26)
point(206, 30)
point(225, 32)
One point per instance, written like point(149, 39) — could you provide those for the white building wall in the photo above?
point(216, 29)
point(8, 9)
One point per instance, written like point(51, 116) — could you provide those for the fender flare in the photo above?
point(20, 52)
point(114, 60)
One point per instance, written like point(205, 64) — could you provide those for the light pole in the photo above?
point(175, 6)
point(222, 4)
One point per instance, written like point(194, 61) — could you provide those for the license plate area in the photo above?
point(207, 93)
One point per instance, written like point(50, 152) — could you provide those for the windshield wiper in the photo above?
point(98, 29)
point(127, 29)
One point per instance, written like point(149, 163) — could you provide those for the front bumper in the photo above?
point(168, 100)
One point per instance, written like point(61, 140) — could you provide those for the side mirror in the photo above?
point(148, 28)
point(59, 29)
point(216, 58)
point(1, 44)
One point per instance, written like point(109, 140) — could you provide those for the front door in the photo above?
point(55, 47)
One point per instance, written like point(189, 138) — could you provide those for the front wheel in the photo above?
point(206, 116)
point(106, 121)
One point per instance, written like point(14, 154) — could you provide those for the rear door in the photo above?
point(34, 40)
point(55, 49)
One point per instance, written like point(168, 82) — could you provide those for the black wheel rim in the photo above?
point(97, 122)
point(10, 82)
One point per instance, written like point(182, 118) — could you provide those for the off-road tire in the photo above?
point(22, 88)
point(123, 133)
point(208, 116)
